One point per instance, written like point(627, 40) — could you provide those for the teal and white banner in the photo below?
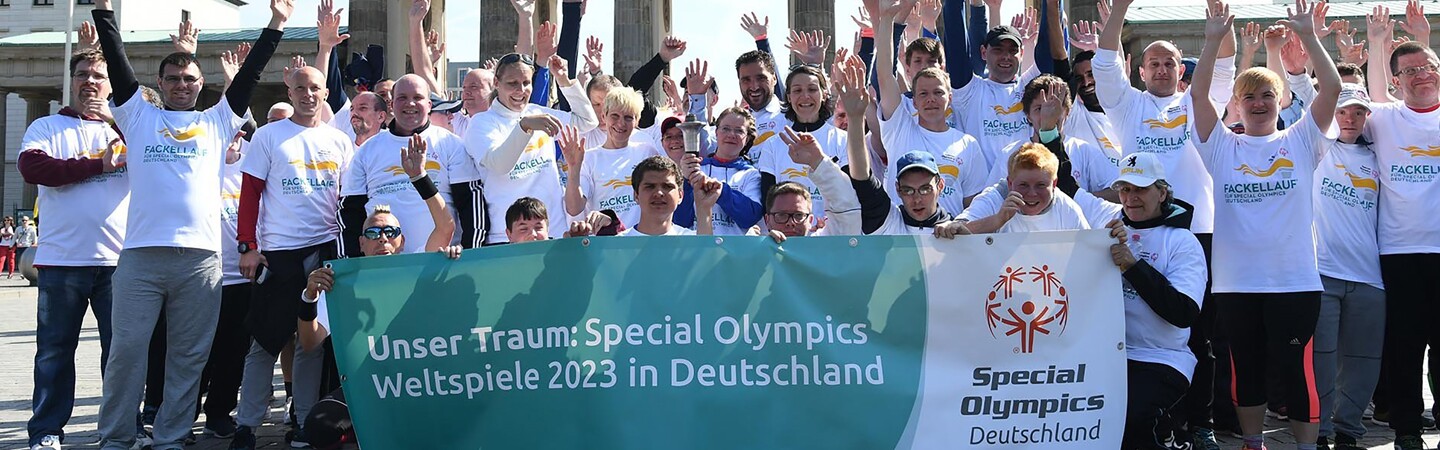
point(1000, 341)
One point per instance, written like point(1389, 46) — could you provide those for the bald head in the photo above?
point(1160, 68)
point(412, 102)
point(476, 89)
point(279, 111)
point(306, 89)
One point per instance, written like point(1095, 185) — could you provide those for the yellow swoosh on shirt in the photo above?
point(1433, 150)
point(950, 170)
point(542, 141)
point(795, 173)
point(395, 170)
point(1172, 124)
point(1015, 108)
point(1105, 142)
point(192, 133)
point(1358, 181)
point(322, 166)
point(763, 137)
point(1281, 163)
point(229, 195)
point(617, 183)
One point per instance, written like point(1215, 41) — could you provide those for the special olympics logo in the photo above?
point(1026, 302)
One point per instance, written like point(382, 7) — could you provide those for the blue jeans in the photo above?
point(65, 293)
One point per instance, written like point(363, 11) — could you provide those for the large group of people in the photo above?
point(1268, 220)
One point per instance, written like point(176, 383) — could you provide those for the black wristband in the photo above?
point(425, 187)
point(308, 311)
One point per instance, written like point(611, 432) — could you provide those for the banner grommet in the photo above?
point(585, 242)
point(989, 240)
point(854, 242)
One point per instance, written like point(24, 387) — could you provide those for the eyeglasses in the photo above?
point(911, 192)
point(729, 130)
point(180, 80)
point(1413, 71)
point(785, 217)
point(515, 57)
point(374, 233)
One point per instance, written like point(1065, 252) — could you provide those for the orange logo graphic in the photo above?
point(1433, 150)
point(543, 141)
point(1278, 165)
point(1177, 122)
point(321, 166)
point(795, 173)
point(1015, 108)
point(763, 137)
point(192, 133)
point(97, 153)
point(229, 195)
point(617, 183)
point(952, 171)
point(1026, 303)
point(1358, 181)
point(1105, 142)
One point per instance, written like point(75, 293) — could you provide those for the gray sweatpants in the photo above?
point(258, 380)
point(185, 283)
point(1348, 340)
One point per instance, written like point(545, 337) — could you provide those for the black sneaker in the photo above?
point(190, 438)
point(1345, 442)
point(223, 428)
point(244, 439)
point(1322, 443)
point(296, 438)
point(1410, 442)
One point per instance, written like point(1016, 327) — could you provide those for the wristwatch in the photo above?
point(243, 248)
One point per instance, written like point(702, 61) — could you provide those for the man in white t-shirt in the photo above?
point(291, 190)
point(72, 156)
point(658, 189)
point(989, 108)
point(1157, 120)
point(375, 175)
point(756, 72)
point(171, 260)
point(1026, 200)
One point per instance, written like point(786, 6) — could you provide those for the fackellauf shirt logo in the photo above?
point(1027, 303)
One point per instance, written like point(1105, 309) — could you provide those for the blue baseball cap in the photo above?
point(1189, 64)
point(917, 160)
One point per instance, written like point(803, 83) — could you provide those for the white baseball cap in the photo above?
point(1353, 94)
point(1140, 169)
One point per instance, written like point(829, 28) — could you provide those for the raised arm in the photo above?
point(328, 35)
point(1416, 22)
point(1053, 21)
point(572, 145)
point(1302, 23)
point(240, 91)
point(958, 62)
point(890, 92)
point(525, 17)
point(1217, 24)
point(420, 52)
point(571, 12)
point(1380, 28)
point(1112, 26)
point(122, 74)
point(1249, 45)
point(412, 158)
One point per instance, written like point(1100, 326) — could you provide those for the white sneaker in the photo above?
point(143, 441)
point(49, 442)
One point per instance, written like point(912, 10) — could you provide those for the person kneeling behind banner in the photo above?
point(329, 421)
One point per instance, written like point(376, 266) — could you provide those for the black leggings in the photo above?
point(1411, 295)
point(1154, 391)
point(1273, 332)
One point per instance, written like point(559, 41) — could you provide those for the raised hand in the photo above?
point(112, 158)
point(280, 11)
point(861, 19)
point(490, 64)
point(707, 193)
point(560, 69)
point(1301, 20)
point(435, 47)
point(1293, 56)
point(594, 55)
point(852, 87)
point(673, 100)
point(188, 40)
point(808, 47)
point(1250, 38)
point(1379, 27)
point(1350, 51)
point(525, 8)
point(1415, 21)
point(929, 11)
point(1102, 10)
point(804, 149)
point(328, 25)
point(572, 147)
point(1218, 20)
point(1275, 37)
point(1050, 108)
point(547, 38)
point(1085, 35)
point(297, 62)
point(993, 4)
point(672, 48)
point(697, 77)
point(89, 39)
point(1318, 14)
point(412, 157)
point(540, 122)
point(230, 61)
point(751, 24)
point(1028, 24)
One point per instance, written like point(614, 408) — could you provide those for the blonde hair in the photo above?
point(1034, 156)
point(932, 72)
point(1255, 78)
point(624, 100)
point(379, 209)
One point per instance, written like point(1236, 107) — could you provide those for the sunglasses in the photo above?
point(514, 57)
point(374, 233)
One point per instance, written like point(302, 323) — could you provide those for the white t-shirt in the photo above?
point(1092, 169)
point(341, 121)
point(534, 172)
point(743, 181)
point(1063, 213)
point(375, 172)
point(1098, 212)
point(1094, 128)
point(895, 225)
point(1176, 254)
point(229, 222)
point(1347, 190)
point(776, 161)
point(1161, 125)
point(301, 168)
point(84, 221)
point(992, 112)
point(675, 230)
point(1407, 147)
point(174, 164)
point(963, 165)
point(1264, 213)
point(605, 180)
point(769, 123)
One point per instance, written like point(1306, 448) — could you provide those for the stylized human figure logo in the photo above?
point(1026, 302)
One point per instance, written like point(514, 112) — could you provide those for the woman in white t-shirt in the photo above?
point(1265, 279)
point(1083, 166)
point(808, 107)
point(600, 176)
point(1027, 200)
point(7, 246)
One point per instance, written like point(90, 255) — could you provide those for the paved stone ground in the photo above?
point(17, 352)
